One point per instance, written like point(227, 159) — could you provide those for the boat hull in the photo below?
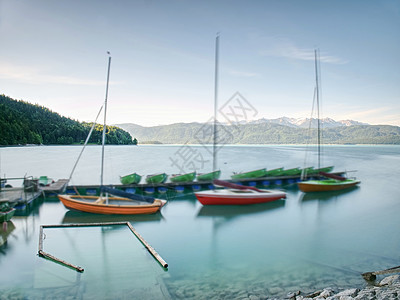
point(235, 197)
point(157, 178)
point(125, 206)
point(326, 185)
point(209, 176)
point(291, 172)
point(130, 179)
point(189, 177)
point(250, 174)
point(7, 215)
point(274, 172)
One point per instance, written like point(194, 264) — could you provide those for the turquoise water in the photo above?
point(305, 242)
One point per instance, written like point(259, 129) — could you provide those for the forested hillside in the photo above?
point(22, 123)
point(263, 133)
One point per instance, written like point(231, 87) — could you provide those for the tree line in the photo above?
point(23, 123)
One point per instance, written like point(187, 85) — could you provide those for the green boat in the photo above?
point(291, 172)
point(250, 174)
point(44, 181)
point(130, 179)
point(6, 212)
point(209, 176)
point(274, 172)
point(307, 171)
point(157, 178)
point(188, 177)
point(325, 170)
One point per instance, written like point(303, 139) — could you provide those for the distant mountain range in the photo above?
point(267, 131)
point(305, 123)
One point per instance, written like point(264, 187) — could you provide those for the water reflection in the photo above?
point(76, 217)
point(230, 211)
point(5, 231)
point(326, 195)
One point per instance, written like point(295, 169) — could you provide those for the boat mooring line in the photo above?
point(44, 254)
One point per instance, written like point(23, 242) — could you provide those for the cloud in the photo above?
point(284, 48)
point(34, 75)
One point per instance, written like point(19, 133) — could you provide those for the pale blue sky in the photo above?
point(54, 53)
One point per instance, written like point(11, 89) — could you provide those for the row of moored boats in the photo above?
point(135, 178)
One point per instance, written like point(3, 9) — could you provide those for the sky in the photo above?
point(54, 54)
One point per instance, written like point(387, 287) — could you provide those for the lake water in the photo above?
point(306, 242)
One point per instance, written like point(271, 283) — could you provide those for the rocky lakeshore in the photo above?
point(386, 289)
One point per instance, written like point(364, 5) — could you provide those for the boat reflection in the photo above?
point(5, 231)
point(324, 196)
point(77, 217)
point(230, 211)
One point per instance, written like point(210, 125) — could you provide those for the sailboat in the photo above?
point(332, 182)
point(214, 174)
point(121, 202)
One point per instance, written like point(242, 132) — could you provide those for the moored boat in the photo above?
point(121, 202)
point(110, 205)
point(209, 176)
point(157, 178)
point(45, 181)
point(133, 178)
point(291, 172)
point(188, 177)
point(250, 174)
point(236, 194)
point(333, 182)
point(323, 169)
point(274, 172)
point(6, 212)
point(326, 185)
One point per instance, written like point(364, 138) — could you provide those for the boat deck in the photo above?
point(113, 201)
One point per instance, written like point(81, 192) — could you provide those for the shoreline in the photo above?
point(387, 288)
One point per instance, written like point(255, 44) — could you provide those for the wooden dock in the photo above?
point(19, 197)
point(56, 187)
point(146, 188)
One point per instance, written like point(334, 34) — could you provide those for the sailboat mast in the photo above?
point(318, 116)
point(215, 102)
point(105, 119)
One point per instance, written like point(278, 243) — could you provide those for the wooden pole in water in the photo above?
point(79, 269)
point(371, 276)
point(49, 256)
point(148, 247)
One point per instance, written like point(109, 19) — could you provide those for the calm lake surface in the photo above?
point(305, 242)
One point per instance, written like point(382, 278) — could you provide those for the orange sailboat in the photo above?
point(121, 203)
